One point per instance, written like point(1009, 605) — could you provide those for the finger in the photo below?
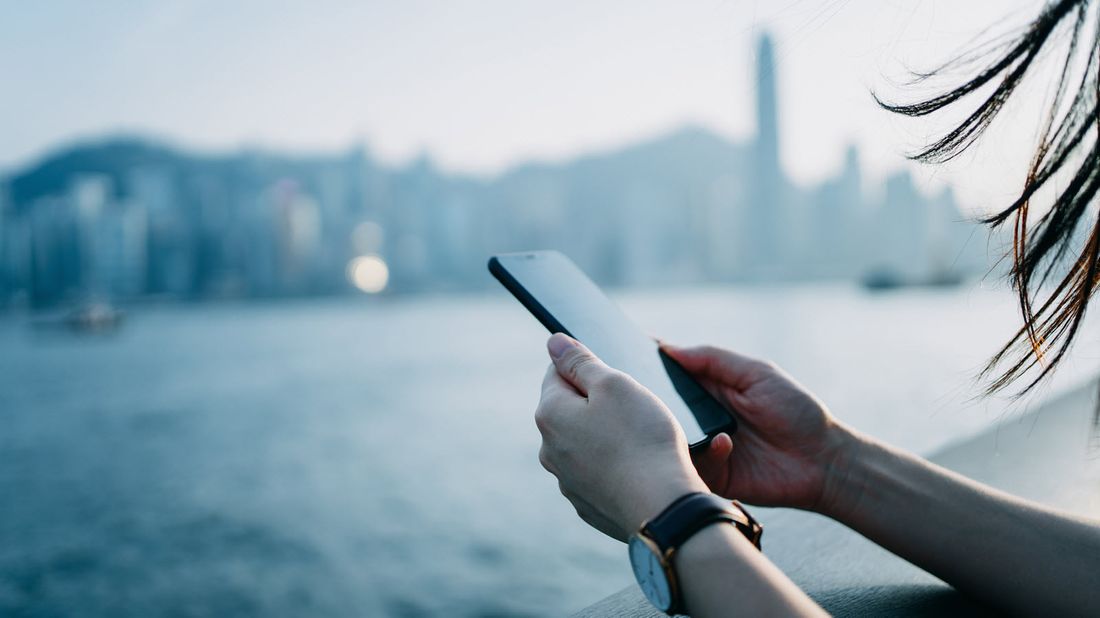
point(546, 463)
point(712, 461)
point(553, 385)
point(576, 363)
point(715, 363)
point(557, 398)
point(720, 447)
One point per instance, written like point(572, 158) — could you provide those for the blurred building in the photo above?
point(127, 219)
point(112, 241)
point(765, 229)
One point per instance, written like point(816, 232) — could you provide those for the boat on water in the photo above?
point(92, 317)
point(95, 318)
point(886, 280)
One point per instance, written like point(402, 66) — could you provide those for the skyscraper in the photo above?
point(762, 237)
point(766, 145)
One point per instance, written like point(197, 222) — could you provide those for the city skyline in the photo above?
point(126, 219)
point(482, 87)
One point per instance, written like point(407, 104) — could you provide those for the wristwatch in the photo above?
point(653, 547)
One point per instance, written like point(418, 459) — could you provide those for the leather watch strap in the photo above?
point(690, 513)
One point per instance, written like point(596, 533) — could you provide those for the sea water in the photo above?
point(378, 457)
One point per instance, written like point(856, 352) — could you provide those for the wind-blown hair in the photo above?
point(1063, 243)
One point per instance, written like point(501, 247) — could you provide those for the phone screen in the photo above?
point(565, 300)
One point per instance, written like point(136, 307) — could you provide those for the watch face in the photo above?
point(650, 574)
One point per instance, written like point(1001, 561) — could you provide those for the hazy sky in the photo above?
point(482, 85)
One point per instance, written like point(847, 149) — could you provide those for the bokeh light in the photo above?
point(368, 273)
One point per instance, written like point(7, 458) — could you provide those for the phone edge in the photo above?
point(501, 274)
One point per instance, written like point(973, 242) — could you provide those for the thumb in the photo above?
point(712, 461)
point(574, 362)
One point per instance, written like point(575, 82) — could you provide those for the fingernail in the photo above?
point(559, 344)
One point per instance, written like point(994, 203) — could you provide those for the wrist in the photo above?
point(843, 473)
point(657, 491)
point(713, 543)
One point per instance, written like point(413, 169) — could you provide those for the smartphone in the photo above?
point(566, 301)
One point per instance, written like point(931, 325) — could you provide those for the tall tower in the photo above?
point(767, 128)
point(765, 235)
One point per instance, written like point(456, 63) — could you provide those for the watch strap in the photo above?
point(692, 512)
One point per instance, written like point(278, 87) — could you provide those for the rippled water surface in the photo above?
point(344, 458)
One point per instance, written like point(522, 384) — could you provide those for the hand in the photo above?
point(619, 454)
point(787, 447)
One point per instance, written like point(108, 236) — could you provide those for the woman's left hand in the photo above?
point(618, 453)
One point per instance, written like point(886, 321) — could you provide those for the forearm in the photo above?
point(722, 574)
point(1003, 549)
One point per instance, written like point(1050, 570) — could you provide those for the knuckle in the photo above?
point(544, 460)
point(611, 381)
point(577, 363)
point(542, 419)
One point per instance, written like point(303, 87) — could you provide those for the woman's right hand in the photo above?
point(788, 449)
